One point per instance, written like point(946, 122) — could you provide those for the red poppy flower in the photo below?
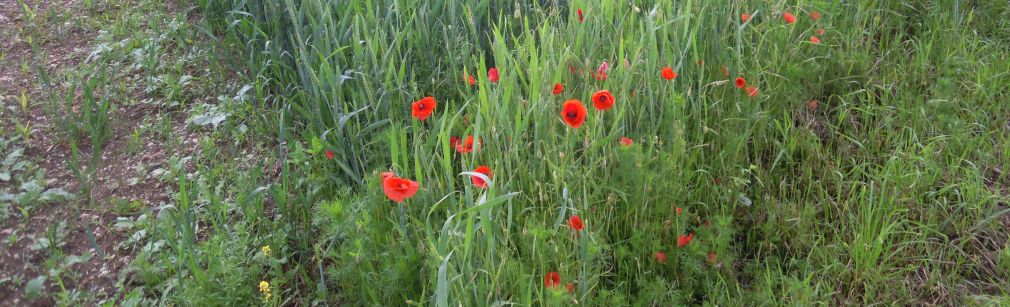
point(820, 32)
point(453, 142)
point(815, 16)
point(582, 18)
point(668, 73)
point(600, 76)
point(603, 100)
point(626, 142)
point(815, 40)
point(572, 69)
point(329, 154)
point(553, 279)
point(701, 63)
point(812, 105)
point(570, 287)
point(740, 82)
point(469, 79)
point(467, 145)
point(575, 222)
point(573, 113)
point(398, 189)
point(679, 210)
point(558, 88)
point(683, 240)
point(711, 257)
point(660, 257)
point(744, 17)
point(477, 181)
point(423, 108)
point(751, 91)
point(789, 18)
point(492, 74)
point(603, 68)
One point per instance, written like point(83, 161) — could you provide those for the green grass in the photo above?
point(890, 188)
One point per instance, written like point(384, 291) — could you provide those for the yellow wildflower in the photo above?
point(265, 289)
point(266, 250)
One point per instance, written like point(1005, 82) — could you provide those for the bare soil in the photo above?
point(96, 278)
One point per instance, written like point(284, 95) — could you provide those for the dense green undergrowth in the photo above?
point(868, 167)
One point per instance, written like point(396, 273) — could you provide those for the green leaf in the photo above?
point(744, 200)
point(56, 194)
point(442, 289)
point(13, 156)
point(490, 203)
point(317, 146)
point(34, 287)
point(72, 260)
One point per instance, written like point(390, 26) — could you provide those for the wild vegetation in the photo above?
point(491, 152)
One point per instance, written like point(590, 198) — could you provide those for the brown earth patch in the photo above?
point(88, 228)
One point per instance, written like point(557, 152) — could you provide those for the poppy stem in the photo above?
point(583, 257)
point(403, 223)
